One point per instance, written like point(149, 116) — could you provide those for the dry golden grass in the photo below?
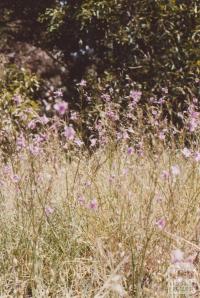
point(53, 243)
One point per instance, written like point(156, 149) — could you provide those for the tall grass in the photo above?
point(101, 225)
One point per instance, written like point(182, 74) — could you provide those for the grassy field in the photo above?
point(103, 225)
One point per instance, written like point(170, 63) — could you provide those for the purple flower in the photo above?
point(165, 174)
point(177, 256)
point(158, 197)
point(194, 117)
point(111, 178)
point(7, 169)
point(34, 149)
point(154, 112)
point(81, 200)
point(195, 100)
point(193, 125)
point(61, 107)
point(21, 142)
point(15, 178)
point(58, 93)
point(69, 133)
point(17, 99)
point(87, 183)
point(48, 210)
point(32, 124)
point(135, 96)
point(105, 97)
point(40, 138)
point(93, 205)
point(125, 171)
point(119, 135)
point(74, 116)
point(112, 115)
point(197, 156)
point(161, 223)
point(78, 142)
point(44, 120)
point(82, 83)
point(161, 100)
point(125, 135)
point(130, 151)
point(161, 136)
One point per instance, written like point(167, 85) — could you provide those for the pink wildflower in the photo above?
point(159, 198)
point(125, 135)
point(48, 210)
point(194, 117)
point(69, 133)
point(119, 135)
point(17, 99)
point(193, 125)
point(78, 142)
point(81, 200)
point(7, 169)
point(34, 149)
point(105, 97)
point(82, 83)
point(177, 256)
point(74, 116)
point(197, 156)
point(44, 120)
point(61, 107)
point(161, 100)
point(32, 124)
point(165, 174)
point(87, 183)
point(111, 178)
point(39, 138)
point(21, 142)
point(93, 205)
point(125, 171)
point(135, 96)
point(161, 223)
point(58, 93)
point(154, 112)
point(130, 151)
point(15, 178)
point(161, 136)
point(112, 115)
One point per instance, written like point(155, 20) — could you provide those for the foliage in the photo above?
point(153, 43)
point(17, 105)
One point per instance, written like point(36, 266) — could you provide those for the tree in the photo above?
point(154, 43)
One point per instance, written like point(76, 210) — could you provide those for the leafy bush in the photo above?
point(17, 104)
point(152, 43)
